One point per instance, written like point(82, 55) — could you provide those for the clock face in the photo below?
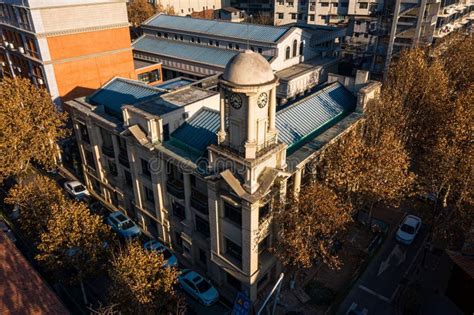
point(262, 100)
point(235, 100)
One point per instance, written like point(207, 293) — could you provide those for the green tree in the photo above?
point(75, 244)
point(35, 198)
point(142, 284)
point(307, 226)
point(30, 127)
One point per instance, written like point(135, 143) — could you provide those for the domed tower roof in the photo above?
point(248, 68)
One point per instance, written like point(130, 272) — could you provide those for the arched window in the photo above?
point(301, 48)
point(295, 48)
point(288, 53)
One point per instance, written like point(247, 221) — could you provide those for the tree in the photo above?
point(75, 243)
point(141, 10)
point(35, 199)
point(142, 283)
point(307, 226)
point(367, 167)
point(30, 127)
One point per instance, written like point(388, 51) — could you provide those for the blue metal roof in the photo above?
point(198, 132)
point(314, 114)
point(174, 49)
point(174, 84)
point(242, 31)
point(119, 92)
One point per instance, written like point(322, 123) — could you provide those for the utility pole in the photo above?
point(276, 289)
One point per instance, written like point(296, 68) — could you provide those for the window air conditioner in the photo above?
point(40, 81)
point(21, 50)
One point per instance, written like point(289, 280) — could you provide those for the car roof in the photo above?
point(74, 183)
point(118, 216)
point(154, 244)
point(411, 220)
point(193, 276)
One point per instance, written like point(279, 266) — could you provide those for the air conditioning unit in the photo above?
point(21, 50)
point(18, 69)
point(12, 46)
point(3, 64)
point(40, 81)
point(6, 44)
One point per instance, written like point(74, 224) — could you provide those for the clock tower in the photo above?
point(248, 105)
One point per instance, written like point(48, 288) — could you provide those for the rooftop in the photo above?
point(313, 114)
point(299, 123)
point(120, 91)
point(197, 53)
point(23, 290)
point(174, 83)
point(218, 28)
point(299, 69)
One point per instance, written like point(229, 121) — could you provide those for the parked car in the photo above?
point(76, 190)
point(408, 229)
point(123, 225)
point(198, 287)
point(170, 258)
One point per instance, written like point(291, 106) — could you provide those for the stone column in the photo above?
point(222, 134)
point(272, 110)
point(297, 182)
point(250, 243)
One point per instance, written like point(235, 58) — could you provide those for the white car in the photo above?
point(76, 189)
point(408, 229)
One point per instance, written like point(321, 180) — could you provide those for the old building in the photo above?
point(198, 48)
point(199, 169)
point(187, 7)
point(66, 46)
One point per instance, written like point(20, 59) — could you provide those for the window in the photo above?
point(233, 282)
point(211, 42)
point(166, 35)
point(233, 250)
point(301, 48)
point(202, 226)
point(230, 45)
point(287, 53)
point(232, 213)
point(293, 16)
point(84, 132)
point(89, 159)
point(237, 47)
point(128, 178)
point(145, 168)
point(263, 211)
point(151, 76)
point(192, 39)
point(217, 43)
point(149, 195)
point(199, 40)
point(311, 17)
point(363, 5)
point(280, 16)
point(166, 132)
point(295, 48)
point(260, 50)
point(158, 34)
point(178, 210)
point(181, 37)
point(264, 245)
point(202, 256)
point(335, 4)
point(324, 4)
point(112, 168)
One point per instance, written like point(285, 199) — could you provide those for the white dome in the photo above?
point(248, 68)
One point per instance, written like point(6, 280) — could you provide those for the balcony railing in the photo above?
point(108, 150)
point(199, 202)
point(175, 188)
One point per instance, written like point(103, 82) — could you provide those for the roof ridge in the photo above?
point(217, 20)
point(186, 43)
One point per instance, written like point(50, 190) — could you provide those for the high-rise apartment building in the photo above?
point(70, 47)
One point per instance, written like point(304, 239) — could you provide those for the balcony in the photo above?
point(108, 150)
point(199, 202)
point(175, 188)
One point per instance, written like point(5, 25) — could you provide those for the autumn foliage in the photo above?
point(30, 127)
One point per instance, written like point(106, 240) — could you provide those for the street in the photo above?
point(376, 289)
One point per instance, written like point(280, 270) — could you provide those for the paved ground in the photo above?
point(194, 307)
point(379, 284)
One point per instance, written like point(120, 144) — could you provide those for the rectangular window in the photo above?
point(151, 76)
point(179, 211)
point(232, 213)
point(293, 16)
point(233, 282)
point(128, 178)
point(311, 17)
point(233, 250)
point(83, 132)
point(263, 211)
point(363, 5)
point(324, 4)
point(145, 168)
point(89, 159)
point(280, 16)
point(149, 195)
point(202, 226)
point(166, 132)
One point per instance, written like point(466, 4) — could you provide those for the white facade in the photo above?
point(186, 7)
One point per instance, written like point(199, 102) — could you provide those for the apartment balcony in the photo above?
point(108, 150)
point(176, 188)
point(199, 202)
